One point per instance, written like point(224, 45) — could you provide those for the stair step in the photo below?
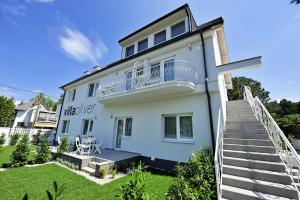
point(252, 155)
point(278, 189)
point(88, 170)
point(92, 165)
point(235, 193)
point(246, 136)
point(250, 148)
point(255, 164)
point(265, 175)
point(257, 142)
point(246, 130)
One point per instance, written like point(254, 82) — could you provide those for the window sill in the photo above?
point(191, 141)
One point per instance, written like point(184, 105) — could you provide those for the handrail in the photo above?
point(218, 158)
point(283, 147)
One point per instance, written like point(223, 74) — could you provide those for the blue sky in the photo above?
point(46, 43)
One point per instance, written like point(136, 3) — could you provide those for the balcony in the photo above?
point(148, 82)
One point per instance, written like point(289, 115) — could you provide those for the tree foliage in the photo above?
point(45, 100)
point(196, 179)
point(290, 125)
point(19, 156)
point(256, 88)
point(7, 111)
point(43, 151)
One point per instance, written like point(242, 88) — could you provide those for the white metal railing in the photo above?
point(283, 147)
point(142, 76)
point(219, 153)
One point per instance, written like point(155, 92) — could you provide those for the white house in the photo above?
point(162, 98)
point(33, 115)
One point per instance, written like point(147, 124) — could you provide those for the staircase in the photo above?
point(251, 167)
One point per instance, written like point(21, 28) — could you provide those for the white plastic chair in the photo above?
point(82, 147)
point(97, 148)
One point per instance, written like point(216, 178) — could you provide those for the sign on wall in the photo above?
point(82, 109)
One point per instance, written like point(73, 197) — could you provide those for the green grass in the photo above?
point(35, 180)
point(6, 151)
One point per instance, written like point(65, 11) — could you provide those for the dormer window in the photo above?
point(142, 45)
point(129, 51)
point(178, 29)
point(160, 37)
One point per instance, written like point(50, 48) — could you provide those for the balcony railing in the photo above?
point(144, 76)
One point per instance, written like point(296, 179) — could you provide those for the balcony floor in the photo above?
point(151, 92)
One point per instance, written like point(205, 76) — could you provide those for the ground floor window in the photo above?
point(178, 126)
point(65, 128)
point(87, 126)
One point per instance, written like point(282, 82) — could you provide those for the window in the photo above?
point(87, 126)
point(178, 126)
point(155, 71)
point(128, 126)
point(160, 37)
point(91, 90)
point(65, 127)
point(142, 45)
point(139, 71)
point(178, 29)
point(71, 95)
point(129, 51)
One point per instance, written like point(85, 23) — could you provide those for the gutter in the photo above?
point(61, 107)
point(207, 93)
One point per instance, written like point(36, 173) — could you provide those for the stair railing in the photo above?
point(218, 159)
point(283, 147)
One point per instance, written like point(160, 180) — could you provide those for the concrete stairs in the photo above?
point(90, 169)
point(251, 167)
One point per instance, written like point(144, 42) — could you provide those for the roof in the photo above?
point(200, 28)
point(25, 106)
point(185, 6)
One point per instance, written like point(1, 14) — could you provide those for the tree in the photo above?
point(45, 100)
point(7, 111)
point(43, 151)
point(295, 1)
point(290, 125)
point(19, 156)
point(257, 90)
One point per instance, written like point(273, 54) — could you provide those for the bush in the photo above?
point(2, 139)
point(43, 151)
point(135, 189)
point(14, 139)
point(196, 179)
point(36, 138)
point(290, 125)
point(19, 156)
point(113, 173)
point(63, 147)
point(103, 171)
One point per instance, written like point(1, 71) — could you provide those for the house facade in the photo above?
point(33, 115)
point(162, 98)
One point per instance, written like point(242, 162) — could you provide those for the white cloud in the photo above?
point(290, 82)
point(40, 1)
point(7, 92)
point(79, 47)
point(13, 9)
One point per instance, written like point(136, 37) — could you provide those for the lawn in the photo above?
point(35, 180)
point(6, 151)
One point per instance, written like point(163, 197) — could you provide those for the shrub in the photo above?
point(36, 138)
point(19, 156)
point(43, 151)
point(14, 139)
point(103, 171)
point(196, 179)
point(2, 139)
point(113, 173)
point(77, 167)
point(63, 147)
point(135, 189)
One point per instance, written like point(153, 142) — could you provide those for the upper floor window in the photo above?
point(178, 29)
point(129, 51)
point(91, 89)
point(142, 45)
point(65, 127)
point(160, 37)
point(71, 95)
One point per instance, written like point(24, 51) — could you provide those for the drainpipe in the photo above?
point(207, 93)
point(61, 107)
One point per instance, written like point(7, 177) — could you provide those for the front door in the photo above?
point(119, 134)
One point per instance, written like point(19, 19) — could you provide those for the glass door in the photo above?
point(119, 134)
point(169, 70)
